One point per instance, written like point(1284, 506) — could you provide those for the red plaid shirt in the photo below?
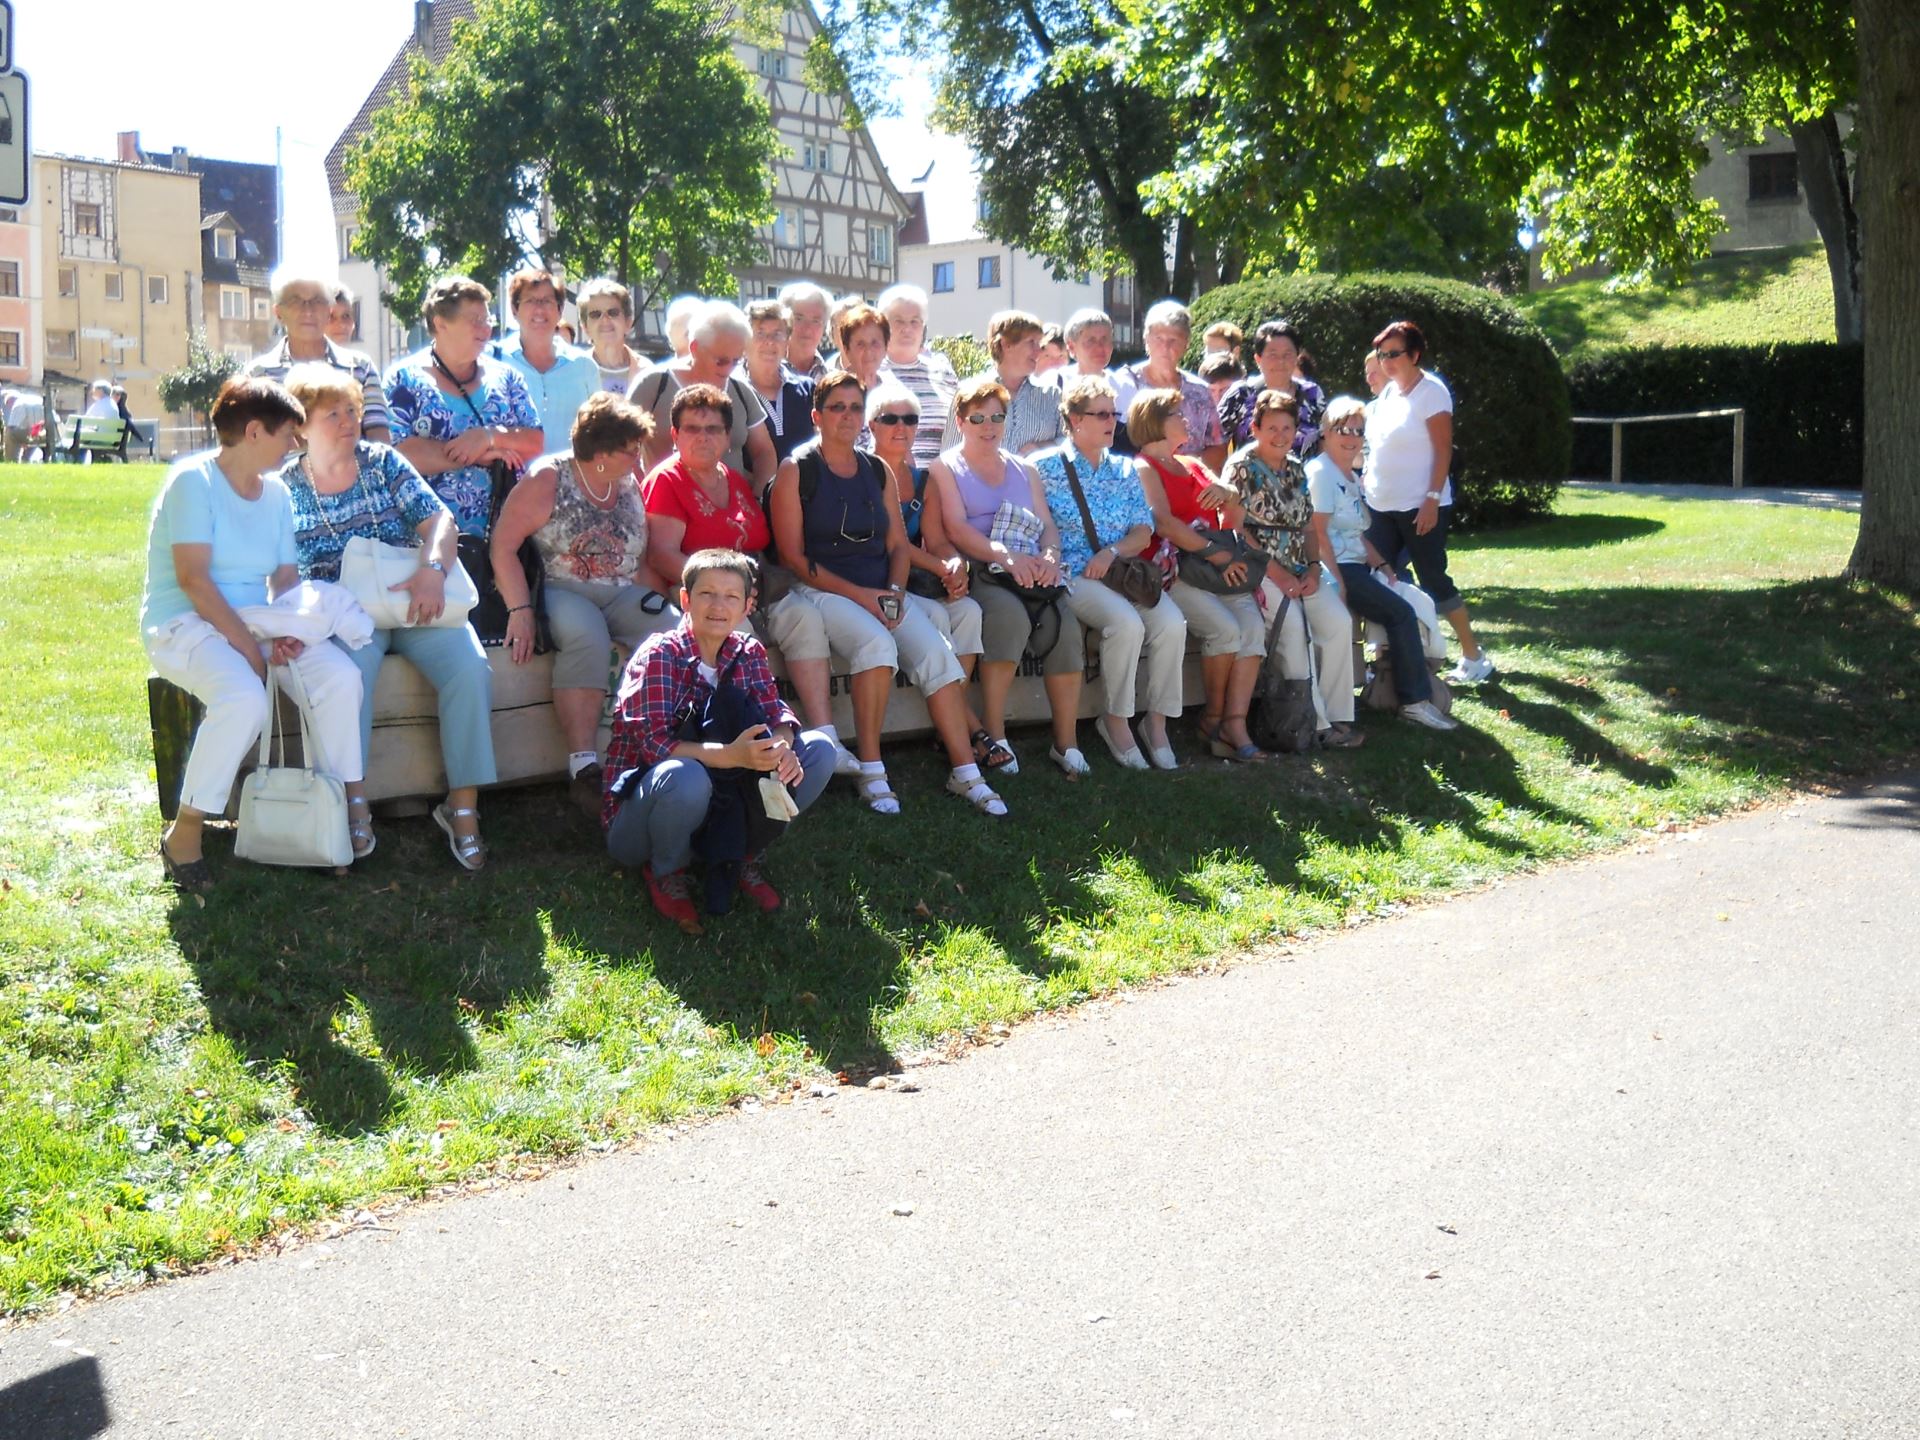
point(662, 686)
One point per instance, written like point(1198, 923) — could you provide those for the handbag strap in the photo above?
point(270, 732)
point(1080, 497)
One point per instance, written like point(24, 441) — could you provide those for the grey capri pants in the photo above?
point(588, 618)
point(1005, 631)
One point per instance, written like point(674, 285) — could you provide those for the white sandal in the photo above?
point(978, 794)
point(469, 850)
point(877, 793)
point(360, 827)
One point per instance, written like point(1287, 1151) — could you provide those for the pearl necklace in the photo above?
point(580, 477)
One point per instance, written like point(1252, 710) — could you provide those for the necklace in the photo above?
point(580, 478)
point(447, 371)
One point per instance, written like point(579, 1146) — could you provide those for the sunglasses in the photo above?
point(981, 417)
point(892, 419)
point(1391, 354)
point(1351, 431)
point(843, 409)
point(1097, 414)
point(702, 429)
point(592, 315)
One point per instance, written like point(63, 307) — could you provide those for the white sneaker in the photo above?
point(1471, 672)
point(1421, 712)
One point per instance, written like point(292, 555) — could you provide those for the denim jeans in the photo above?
point(655, 823)
point(1393, 535)
point(1368, 598)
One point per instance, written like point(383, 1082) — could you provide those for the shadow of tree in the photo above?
point(1562, 532)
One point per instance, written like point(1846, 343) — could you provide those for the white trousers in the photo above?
point(196, 657)
point(1326, 620)
point(1126, 637)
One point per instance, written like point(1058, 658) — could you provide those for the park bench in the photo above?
point(404, 772)
point(95, 435)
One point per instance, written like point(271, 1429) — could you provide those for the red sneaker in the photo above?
point(753, 885)
point(671, 898)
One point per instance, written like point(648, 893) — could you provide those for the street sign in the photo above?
point(14, 154)
point(6, 35)
point(125, 342)
point(93, 332)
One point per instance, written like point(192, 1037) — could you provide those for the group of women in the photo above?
point(903, 521)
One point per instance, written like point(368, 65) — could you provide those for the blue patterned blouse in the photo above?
point(421, 408)
point(1113, 495)
point(388, 501)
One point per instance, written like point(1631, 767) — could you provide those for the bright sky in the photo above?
point(148, 65)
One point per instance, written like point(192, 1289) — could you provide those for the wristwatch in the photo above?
point(1433, 494)
point(436, 565)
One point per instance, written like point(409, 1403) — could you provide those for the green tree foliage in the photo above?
point(627, 126)
point(196, 385)
point(1513, 434)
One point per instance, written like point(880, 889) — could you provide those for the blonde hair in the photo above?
point(318, 385)
point(1147, 416)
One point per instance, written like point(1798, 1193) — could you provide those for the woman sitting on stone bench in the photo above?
point(583, 509)
point(343, 488)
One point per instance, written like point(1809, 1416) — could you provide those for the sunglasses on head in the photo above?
point(892, 419)
point(981, 417)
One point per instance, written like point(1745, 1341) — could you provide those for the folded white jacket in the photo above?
point(312, 611)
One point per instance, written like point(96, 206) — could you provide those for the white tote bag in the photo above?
point(370, 568)
point(289, 815)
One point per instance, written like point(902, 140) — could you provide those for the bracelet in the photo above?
point(516, 609)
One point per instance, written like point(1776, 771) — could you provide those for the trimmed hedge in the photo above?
point(1803, 404)
point(1512, 435)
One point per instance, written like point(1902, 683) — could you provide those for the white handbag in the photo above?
point(370, 568)
point(288, 815)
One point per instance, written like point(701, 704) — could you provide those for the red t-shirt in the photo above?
point(1183, 481)
point(742, 525)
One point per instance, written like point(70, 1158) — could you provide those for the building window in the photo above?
point(989, 272)
point(347, 232)
point(156, 289)
point(10, 348)
point(116, 287)
point(60, 345)
point(879, 245)
point(1773, 177)
point(67, 282)
point(9, 277)
point(816, 157)
point(773, 64)
point(942, 277)
point(223, 244)
point(86, 219)
point(786, 227)
point(233, 303)
point(262, 308)
point(982, 210)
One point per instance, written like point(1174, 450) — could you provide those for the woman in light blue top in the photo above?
point(1123, 526)
point(221, 540)
point(344, 488)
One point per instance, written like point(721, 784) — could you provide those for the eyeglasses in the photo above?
point(701, 429)
point(890, 418)
point(1352, 432)
point(1391, 354)
point(592, 315)
point(846, 513)
point(1097, 414)
point(306, 302)
point(845, 409)
point(981, 417)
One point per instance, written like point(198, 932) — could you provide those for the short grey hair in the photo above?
point(805, 292)
point(285, 282)
point(608, 286)
point(1167, 315)
point(1083, 320)
point(890, 391)
point(715, 318)
point(901, 294)
point(1341, 407)
point(680, 312)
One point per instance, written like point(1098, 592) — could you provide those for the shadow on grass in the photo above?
point(1561, 532)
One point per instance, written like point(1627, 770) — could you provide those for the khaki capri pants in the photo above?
point(861, 642)
point(1130, 639)
point(957, 620)
point(1005, 632)
point(587, 618)
point(1224, 624)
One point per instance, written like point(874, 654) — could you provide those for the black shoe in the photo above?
point(586, 790)
point(191, 877)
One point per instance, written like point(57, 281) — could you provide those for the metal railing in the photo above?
point(1618, 422)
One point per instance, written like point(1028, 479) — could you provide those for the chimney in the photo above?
point(180, 158)
point(422, 22)
point(129, 147)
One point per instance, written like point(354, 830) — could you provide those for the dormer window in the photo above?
point(223, 244)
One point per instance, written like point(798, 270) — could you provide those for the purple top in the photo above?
point(981, 501)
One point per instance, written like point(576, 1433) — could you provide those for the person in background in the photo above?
point(1089, 337)
point(925, 372)
point(787, 396)
point(1053, 350)
point(456, 409)
point(1223, 337)
point(1168, 330)
point(344, 488)
point(661, 787)
point(679, 317)
point(1276, 355)
point(1409, 453)
point(343, 317)
point(1033, 408)
point(1376, 374)
point(1222, 371)
point(861, 336)
point(1340, 523)
point(558, 377)
point(301, 303)
point(606, 319)
point(582, 507)
point(835, 517)
point(807, 307)
point(835, 314)
point(100, 401)
point(220, 539)
point(716, 342)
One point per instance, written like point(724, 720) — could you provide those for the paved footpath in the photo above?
point(1629, 1148)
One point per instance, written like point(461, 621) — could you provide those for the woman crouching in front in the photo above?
point(673, 773)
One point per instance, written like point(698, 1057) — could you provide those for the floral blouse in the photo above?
point(1279, 508)
point(421, 408)
point(1113, 495)
point(388, 501)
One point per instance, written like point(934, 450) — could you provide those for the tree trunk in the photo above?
point(1823, 172)
point(1888, 550)
point(1181, 285)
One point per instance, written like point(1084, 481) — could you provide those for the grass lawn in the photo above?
point(179, 1077)
point(1746, 299)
